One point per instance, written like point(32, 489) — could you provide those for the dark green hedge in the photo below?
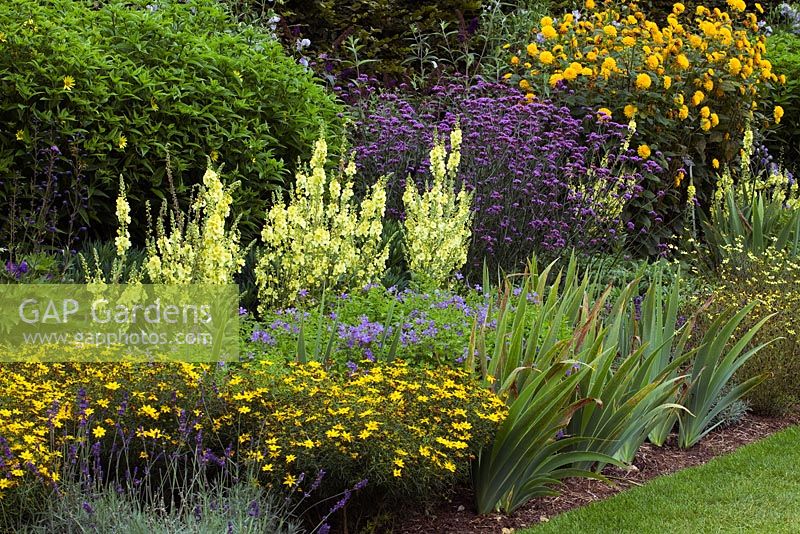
point(382, 26)
point(147, 78)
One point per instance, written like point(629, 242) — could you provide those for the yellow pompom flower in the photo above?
point(643, 151)
point(643, 81)
point(714, 120)
point(547, 57)
point(678, 8)
point(532, 49)
point(734, 66)
point(603, 114)
point(515, 60)
point(590, 4)
point(683, 112)
point(697, 98)
point(549, 32)
point(778, 114)
point(628, 40)
point(715, 163)
point(610, 30)
point(630, 111)
point(705, 125)
point(682, 61)
point(705, 112)
point(546, 21)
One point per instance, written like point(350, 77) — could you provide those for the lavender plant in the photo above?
point(542, 180)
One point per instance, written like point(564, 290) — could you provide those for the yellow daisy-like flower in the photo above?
point(643, 81)
point(99, 432)
point(682, 61)
point(290, 480)
point(549, 32)
point(546, 57)
point(778, 114)
point(630, 110)
point(69, 83)
point(122, 142)
point(610, 30)
point(734, 66)
point(604, 114)
point(643, 151)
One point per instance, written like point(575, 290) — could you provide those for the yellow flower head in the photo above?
point(643, 151)
point(549, 32)
point(682, 61)
point(667, 82)
point(610, 30)
point(697, 98)
point(69, 83)
point(122, 142)
point(630, 110)
point(643, 81)
point(546, 57)
point(604, 114)
point(778, 114)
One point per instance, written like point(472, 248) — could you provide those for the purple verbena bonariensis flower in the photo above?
point(543, 181)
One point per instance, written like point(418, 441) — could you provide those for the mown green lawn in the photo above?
point(755, 489)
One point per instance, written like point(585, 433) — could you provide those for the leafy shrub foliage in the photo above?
point(772, 282)
point(140, 79)
point(383, 27)
point(783, 50)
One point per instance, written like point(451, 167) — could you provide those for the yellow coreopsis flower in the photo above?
point(69, 83)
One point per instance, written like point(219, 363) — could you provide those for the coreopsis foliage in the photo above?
point(199, 246)
point(437, 227)
point(320, 240)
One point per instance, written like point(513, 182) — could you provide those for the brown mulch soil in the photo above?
point(458, 516)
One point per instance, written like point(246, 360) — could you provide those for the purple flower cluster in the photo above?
point(540, 177)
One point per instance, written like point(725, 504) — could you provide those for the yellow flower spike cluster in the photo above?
point(319, 240)
point(437, 228)
point(614, 57)
point(123, 239)
point(198, 248)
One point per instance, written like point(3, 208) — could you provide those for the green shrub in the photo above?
point(783, 50)
point(122, 85)
point(772, 280)
point(383, 27)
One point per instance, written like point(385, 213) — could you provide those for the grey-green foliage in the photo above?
point(243, 508)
